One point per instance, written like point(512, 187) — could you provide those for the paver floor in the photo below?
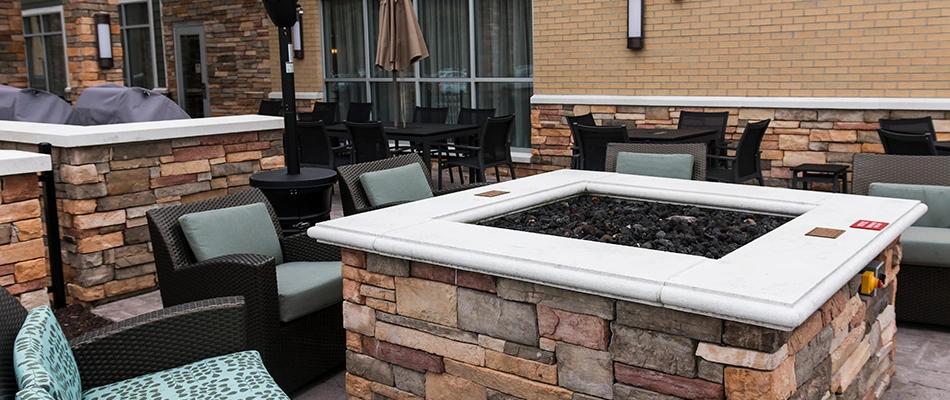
point(923, 352)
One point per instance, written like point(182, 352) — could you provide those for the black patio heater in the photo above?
point(300, 196)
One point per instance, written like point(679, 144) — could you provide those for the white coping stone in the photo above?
point(80, 136)
point(812, 103)
point(15, 162)
point(297, 95)
point(776, 281)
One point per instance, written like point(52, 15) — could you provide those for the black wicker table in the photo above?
point(834, 174)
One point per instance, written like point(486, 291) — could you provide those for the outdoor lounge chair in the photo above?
point(593, 143)
point(493, 150)
point(718, 120)
point(746, 163)
point(467, 116)
point(907, 144)
point(353, 195)
point(577, 160)
point(294, 293)
point(925, 266)
point(696, 150)
point(153, 356)
point(908, 125)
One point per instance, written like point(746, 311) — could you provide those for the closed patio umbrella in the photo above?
point(400, 42)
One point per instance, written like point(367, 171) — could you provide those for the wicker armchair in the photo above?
point(354, 197)
point(921, 293)
point(294, 352)
point(697, 150)
point(154, 342)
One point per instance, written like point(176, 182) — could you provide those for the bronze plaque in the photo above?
point(491, 193)
point(825, 233)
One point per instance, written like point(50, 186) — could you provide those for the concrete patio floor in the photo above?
point(923, 352)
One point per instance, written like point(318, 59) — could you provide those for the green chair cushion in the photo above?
point(937, 199)
point(244, 229)
point(679, 166)
point(42, 358)
point(229, 377)
point(405, 183)
point(307, 286)
point(926, 246)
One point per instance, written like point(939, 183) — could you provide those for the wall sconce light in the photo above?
point(298, 35)
point(104, 40)
point(635, 24)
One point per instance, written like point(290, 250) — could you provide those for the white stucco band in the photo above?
point(776, 281)
point(815, 103)
point(14, 162)
point(80, 136)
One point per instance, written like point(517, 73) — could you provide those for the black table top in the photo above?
point(413, 128)
point(671, 135)
point(830, 168)
point(308, 177)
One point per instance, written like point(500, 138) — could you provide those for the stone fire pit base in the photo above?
point(417, 330)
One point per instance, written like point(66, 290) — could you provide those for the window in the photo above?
point(141, 23)
point(479, 56)
point(45, 49)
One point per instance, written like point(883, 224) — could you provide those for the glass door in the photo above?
point(192, 71)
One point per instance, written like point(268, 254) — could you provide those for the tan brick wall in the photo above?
point(24, 270)
point(12, 47)
point(308, 72)
point(836, 48)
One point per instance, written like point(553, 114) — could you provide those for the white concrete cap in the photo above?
point(15, 162)
point(776, 281)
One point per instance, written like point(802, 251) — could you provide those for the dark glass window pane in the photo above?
point(343, 39)
point(31, 25)
point(159, 42)
point(138, 56)
point(503, 38)
point(446, 94)
point(444, 25)
point(52, 23)
point(344, 93)
point(383, 100)
point(509, 98)
point(56, 64)
point(36, 62)
point(135, 14)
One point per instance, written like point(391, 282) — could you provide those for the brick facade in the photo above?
point(104, 192)
point(24, 269)
point(237, 37)
point(863, 48)
point(417, 330)
point(308, 72)
point(82, 48)
point(12, 45)
point(795, 136)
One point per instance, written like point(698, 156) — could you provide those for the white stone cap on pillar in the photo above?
point(81, 136)
point(15, 162)
point(776, 281)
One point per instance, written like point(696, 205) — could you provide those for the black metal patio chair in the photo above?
point(717, 120)
point(907, 144)
point(908, 125)
point(746, 163)
point(493, 150)
point(359, 112)
point(577, 161)
point(367, 141)
point(593, 144)
point(316, 147)
point(270, 107)
point(326, 112)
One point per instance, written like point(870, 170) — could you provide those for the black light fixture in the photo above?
point(298, 35)
point(635, 24)
point(104, 40)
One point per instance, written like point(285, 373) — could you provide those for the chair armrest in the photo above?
point(301, 247)
point(161, 340)
point(727, 158)
point(459, 188)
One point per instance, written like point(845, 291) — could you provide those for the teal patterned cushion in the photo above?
point(244, 229)
point(33, 394)
point(42, 358)
point(229, 377)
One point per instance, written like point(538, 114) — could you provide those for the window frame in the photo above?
point(39, 12)
point(151, 39)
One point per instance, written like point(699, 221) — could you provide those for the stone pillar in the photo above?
point(82, 48)
point(12, 47)
point(416, 330)
point(24, 271)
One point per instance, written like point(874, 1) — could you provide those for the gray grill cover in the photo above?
point(32, 105)
point(115, 104)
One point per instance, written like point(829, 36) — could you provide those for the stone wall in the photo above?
point(82, 46)
point(104, 192)
point(24, 269)
point(12, 47)
point(238, 55)
point(417, 330)
point(795, 136)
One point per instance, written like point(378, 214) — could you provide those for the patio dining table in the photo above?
point(687, 135)
point(426, 134)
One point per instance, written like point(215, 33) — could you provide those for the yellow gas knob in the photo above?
point(869, 282)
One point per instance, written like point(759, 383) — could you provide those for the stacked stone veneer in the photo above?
point(417, 330)
point(794, 137)
point(104, 192)
point(23, 263)
point(12, 47)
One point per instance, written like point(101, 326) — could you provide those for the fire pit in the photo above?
point(544, 316)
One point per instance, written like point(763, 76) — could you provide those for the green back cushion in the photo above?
point(42, 358)
point(678, 166)
point(235, 230)
point(937, 199)
point(405, 183)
